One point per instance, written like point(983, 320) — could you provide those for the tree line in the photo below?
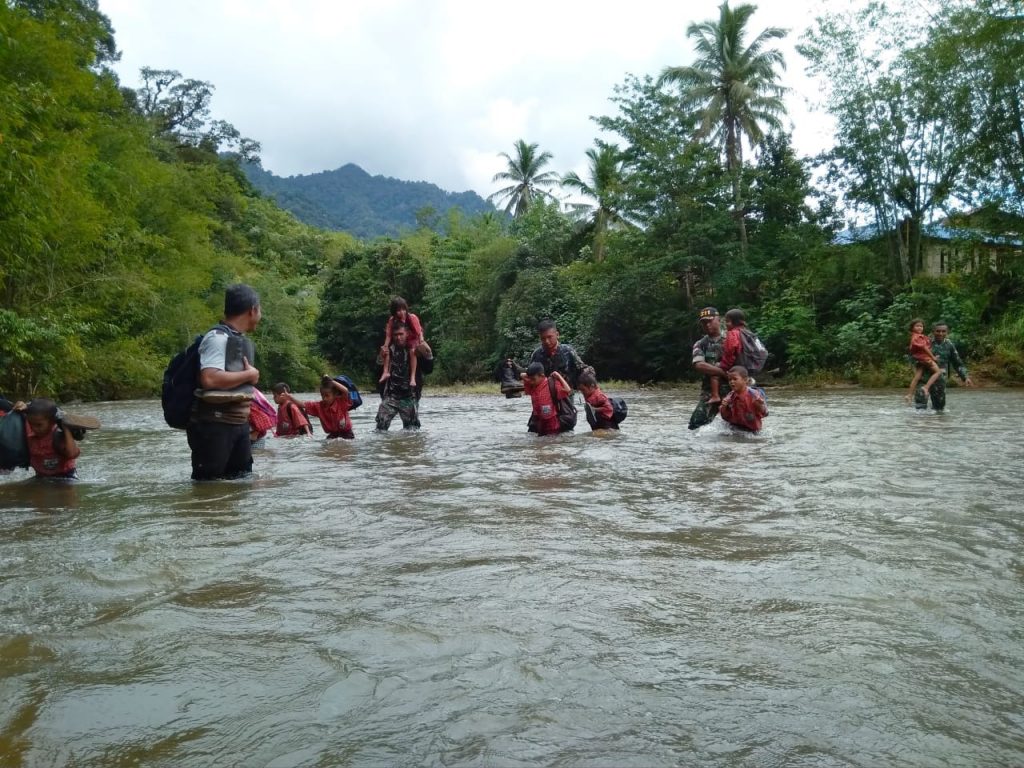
point(124, 213)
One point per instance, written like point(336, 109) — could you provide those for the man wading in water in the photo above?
point(707, 352)
point(218, 432)
point(945, 352)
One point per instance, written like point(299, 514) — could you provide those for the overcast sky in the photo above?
point(431, 91)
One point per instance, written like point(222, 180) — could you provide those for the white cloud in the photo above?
point(429, 91)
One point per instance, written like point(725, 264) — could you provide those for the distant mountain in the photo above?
point(352, 200)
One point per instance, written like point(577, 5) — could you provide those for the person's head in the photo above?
point(327, 389)
point(710, 321)
point(535, 373)
point(280, 390)
point(735, 318)
point(940, 331)
point(41, 415)
point(587, 383)
point(399, 308)
point(398, 333)
point(242, 307)
point(738, 378)
point(548, 333)
point(917, 325)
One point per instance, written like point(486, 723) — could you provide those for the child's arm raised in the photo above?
point(66, 446)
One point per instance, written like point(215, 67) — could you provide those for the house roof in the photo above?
point(937, 231)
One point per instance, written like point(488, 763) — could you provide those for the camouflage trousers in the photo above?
point(937, 394)
point(404, 407)
point(704, 413)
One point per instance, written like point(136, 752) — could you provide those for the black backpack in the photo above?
point(565, 408)
point(753, 353)
point(13, 443)
point(619, 409)
point(180, 382)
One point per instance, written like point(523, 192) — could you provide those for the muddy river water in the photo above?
point(846, 589)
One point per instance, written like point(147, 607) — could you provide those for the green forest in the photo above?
point(125, 212)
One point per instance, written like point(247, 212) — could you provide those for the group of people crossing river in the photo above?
point(210, 390)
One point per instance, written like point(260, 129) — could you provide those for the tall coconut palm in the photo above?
point(734, 88)
point(604, 188)
point(528, 182)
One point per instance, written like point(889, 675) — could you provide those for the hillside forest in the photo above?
point(125, 212)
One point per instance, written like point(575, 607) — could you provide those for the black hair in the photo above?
point(546, 325)
point(239, 299)
point(535, 369)
point(940, 324)
point(587, 380)
point(736, 317)
point(914, 322)
point(42, 406)
point(280, 388)
point(397, 303)
point(740, 370)
point(398, 326)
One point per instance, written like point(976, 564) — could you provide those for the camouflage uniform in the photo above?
point(707, 350)
point(945, 352)
point(565, 360)
point(399, 395)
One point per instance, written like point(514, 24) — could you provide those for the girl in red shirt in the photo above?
point(400, 314)
point(924, 360)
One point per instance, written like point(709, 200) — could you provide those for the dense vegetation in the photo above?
point(123, 214)
point(349, 199)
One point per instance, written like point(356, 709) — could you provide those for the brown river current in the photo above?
point(846, 589)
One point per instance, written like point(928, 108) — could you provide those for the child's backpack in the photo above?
point(13, 443)
point(619, 409)
point(753, 352)
point(181, 379)
point(354, 397)
point(565, 408)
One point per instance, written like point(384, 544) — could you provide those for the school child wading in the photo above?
point(52, 449)
point(744, 407)
point(291, 420)
point(551, 397)
point(332, 408)
point(603, 412)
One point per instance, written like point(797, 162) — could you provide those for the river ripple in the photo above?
point(845, 590)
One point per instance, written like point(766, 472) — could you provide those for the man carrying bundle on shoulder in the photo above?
point(218, 430)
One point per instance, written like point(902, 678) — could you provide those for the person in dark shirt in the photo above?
point(707, 353)
point(558, 357)
point(949, 359)
point(399, 395)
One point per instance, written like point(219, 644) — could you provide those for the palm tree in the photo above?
point(528, 183)
point(734, 88)
point(604, 188)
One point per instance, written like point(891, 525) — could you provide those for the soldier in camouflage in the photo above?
point(706, 354)
point(945, 352)
point(558, 357)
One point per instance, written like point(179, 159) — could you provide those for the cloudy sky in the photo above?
point(431, 90)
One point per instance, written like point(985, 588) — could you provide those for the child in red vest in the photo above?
point(291, 420)
point(924, 360)
point(744, 407)
point(598, 404)
point(52, 451)
point(544, 420)
point(332, 408)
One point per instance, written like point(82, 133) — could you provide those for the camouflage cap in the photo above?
point(708, 313)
